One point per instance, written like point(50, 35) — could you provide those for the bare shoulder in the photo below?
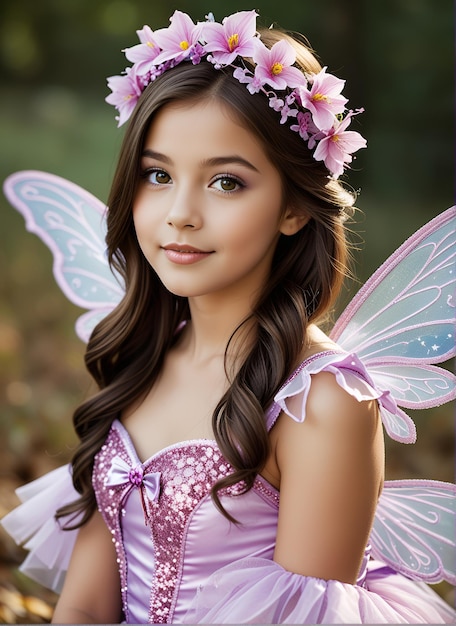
point(335, 426)
point(328, 405)
point(330, 412)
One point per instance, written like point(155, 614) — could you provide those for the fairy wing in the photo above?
point(402, 322)
point(71, 222)
point(414, 529)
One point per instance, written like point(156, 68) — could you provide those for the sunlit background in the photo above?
point(397, 57)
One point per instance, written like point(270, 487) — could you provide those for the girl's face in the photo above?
point(208, 211)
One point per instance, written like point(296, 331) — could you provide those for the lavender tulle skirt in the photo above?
point(259, 591)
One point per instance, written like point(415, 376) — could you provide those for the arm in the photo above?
point(331, 473)
point(91, 593)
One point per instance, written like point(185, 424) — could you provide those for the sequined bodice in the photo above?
point(167, 501)
point(169, 535)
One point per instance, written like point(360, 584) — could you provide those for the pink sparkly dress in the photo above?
point(181, 561)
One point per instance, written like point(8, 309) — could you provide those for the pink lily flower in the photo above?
point(274, 66)
point(336, 148)
point(144, 53)
point(126, 90)
point(178, 39)
point(234, 37)
point(324, 99)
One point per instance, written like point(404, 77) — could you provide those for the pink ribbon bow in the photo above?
point(121, 473)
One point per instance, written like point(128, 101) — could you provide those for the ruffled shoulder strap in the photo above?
point(33, 525)
point(350, 374)
point(414, 522)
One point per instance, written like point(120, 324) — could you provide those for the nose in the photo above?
point(184, 211)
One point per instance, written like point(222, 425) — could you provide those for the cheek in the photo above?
point(143, 218)
point(251, 240)
point(260, 224)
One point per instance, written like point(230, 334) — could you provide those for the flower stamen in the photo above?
point(276, 69)
point(320, 97)
point(233, 41)
point(184, 45)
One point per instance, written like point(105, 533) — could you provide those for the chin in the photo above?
point(182, 289)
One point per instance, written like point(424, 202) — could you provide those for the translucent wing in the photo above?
point(71, 222)
point(415, 529)
point(402, 321)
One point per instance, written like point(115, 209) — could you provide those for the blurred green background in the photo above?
point(397, 57)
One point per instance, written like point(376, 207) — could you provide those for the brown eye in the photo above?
point(227, 184)
point(159, 177)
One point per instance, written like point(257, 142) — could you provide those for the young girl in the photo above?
point(230, 465)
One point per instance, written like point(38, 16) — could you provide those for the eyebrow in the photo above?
point(212, 162)
point(151, 154)
point(226, 160)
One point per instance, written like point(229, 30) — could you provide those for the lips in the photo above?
point(180, 247)
point(183, 254)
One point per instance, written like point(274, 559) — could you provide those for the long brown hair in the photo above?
point(127, 348)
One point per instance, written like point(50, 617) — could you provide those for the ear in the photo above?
point(292, 223)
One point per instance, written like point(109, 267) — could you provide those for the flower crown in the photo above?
point(312, 102)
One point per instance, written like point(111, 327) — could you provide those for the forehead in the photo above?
point(206, 126)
